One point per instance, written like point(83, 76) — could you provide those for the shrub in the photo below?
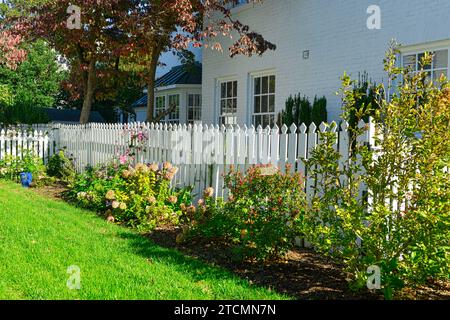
point(138, 196)
point(408, 240)
point(62, 167)
point(261, 217)
point(299, 110)
point(12, 166)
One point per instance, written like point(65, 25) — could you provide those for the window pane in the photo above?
point(441, 59)
point(272, 103)
point(420, 62)
point(234, 105)
point(257, 104)
point(191, 100)
point(230, 105)
point(223, 90)
point(222, 106)
point(257, 85)
point(266, 121)
point(235, 89)
point(409, 62)
point(265, 85)
point(264, 104)
point(257, 121)
point(229, 89)
point(272, 84)
point(437, 74)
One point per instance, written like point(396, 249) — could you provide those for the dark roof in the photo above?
point(67, 115)
point(182, 74)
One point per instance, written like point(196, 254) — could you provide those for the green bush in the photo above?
point(12, 166)
point(409, 241)
point(261, 217)
point(138, 196)
point(299, 110)
point(61, 167)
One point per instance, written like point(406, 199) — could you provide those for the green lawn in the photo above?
point(40, 238)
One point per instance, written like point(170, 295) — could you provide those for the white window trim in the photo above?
point(418, 49)
point(189, 106)
point(251, 91)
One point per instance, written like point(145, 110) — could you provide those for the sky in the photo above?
point(172, 60)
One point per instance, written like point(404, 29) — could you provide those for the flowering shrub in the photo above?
point(261, 217)
point(138, 196)
point(403, 222)
point(12, 166)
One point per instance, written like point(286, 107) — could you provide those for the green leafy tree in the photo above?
point(403, 220)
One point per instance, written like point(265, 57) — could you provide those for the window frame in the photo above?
point(234, 98)
point(261, 95)
point(159, 109)
point(169, 118)
point(194, 108)
point(419, 50)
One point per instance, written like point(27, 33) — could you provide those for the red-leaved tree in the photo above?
point(136, 32)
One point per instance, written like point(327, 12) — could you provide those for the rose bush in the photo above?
point(261, 217)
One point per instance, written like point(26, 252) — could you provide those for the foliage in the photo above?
point(402, 223)
point(138, 196)
point(22, 113)
point(117, 34)
point(61, 166)
point(11, 166)
point(365, 100)
point(299, 110)
point(11, 55)
point(261, 217)
point(319, 112)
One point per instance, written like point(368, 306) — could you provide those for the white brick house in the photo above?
point(317, 40)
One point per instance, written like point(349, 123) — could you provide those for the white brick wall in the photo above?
point(335, 33)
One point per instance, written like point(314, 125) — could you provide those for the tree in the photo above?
point(135, 31)
point(93, 49)
point(10, 52)
point(158, 26)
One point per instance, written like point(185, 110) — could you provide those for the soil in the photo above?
point(302, 274)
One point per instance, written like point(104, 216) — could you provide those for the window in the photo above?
point(264, 101)
point(174, 116)
point(160, 106)
point(438, 67)
point(194, 108)
point(228, 102)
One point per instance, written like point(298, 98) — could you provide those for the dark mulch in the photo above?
point(53, 191)
point(303, 274)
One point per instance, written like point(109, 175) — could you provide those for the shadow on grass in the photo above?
point(196, 269)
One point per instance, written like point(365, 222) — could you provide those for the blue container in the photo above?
point(26, 178)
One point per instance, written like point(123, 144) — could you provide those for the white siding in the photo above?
point(337, 37)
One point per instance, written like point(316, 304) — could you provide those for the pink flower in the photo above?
point(123, 159)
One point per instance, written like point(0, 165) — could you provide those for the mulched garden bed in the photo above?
point(303, 274)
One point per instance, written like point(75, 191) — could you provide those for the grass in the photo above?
point(40, 238)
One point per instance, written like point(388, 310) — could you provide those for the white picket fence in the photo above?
point(17, 142)
point(205, 153)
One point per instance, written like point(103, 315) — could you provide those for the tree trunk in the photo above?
point(151, 84)
point(89, 89)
